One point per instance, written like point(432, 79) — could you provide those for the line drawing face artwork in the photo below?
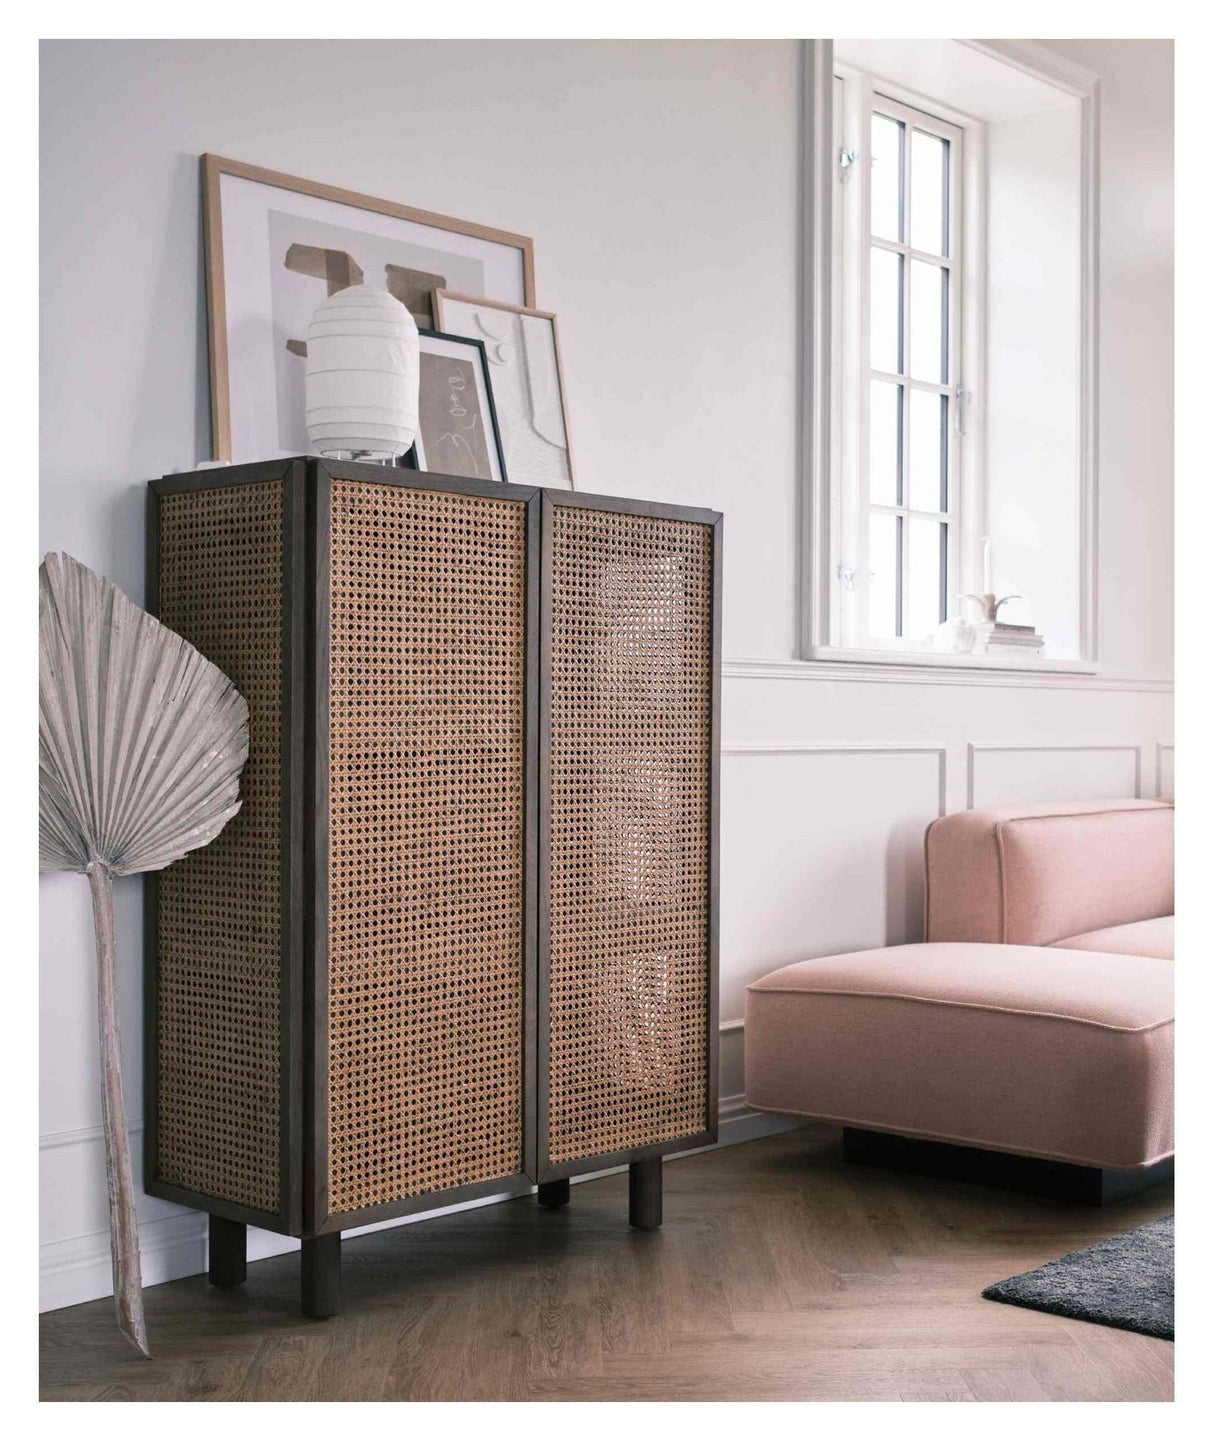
point(457, 431)
point(310, 260)
point(450, 419)
point(524, 362)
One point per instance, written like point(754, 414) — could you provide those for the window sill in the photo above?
point(927, 659)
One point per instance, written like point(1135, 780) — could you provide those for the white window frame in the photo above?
point(822, 614)
point(856, 98)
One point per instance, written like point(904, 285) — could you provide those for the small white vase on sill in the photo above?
point(955, 636)
point(360, 389)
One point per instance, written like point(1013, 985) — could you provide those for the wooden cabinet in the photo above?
point(461, 938)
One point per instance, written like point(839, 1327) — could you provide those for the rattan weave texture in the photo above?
point(218, 927)
point(426, 810)
point(630, 702)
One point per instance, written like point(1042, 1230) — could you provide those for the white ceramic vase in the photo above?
point(360, 392)
point(955, 636)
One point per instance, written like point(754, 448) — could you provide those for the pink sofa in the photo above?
point(1096, 875)
point(1035, 1021)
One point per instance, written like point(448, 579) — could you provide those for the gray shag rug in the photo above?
point(1124, 1282)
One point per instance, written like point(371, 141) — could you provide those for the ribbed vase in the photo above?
point(360, 395)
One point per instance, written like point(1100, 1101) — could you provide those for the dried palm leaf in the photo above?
point(140, 746)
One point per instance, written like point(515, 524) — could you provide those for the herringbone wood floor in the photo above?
point(780, 1274)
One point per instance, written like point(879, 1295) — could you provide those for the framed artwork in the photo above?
point(456, 423)
point(524, 357)
point(276, 245)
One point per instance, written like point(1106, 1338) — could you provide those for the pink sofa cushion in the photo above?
point(1151, 938)
point(1055, 1053)
point(1033, 875)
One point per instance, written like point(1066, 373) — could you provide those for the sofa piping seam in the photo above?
point(956, 1004)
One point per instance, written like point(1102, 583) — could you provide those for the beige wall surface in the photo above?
point(659, 181)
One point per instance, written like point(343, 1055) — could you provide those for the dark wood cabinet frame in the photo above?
point(303, 1209)
point(317, 1218)
point(552, 500)
point(289, 1216)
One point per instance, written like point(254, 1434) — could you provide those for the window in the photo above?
point(900, 293)
point(949, 396)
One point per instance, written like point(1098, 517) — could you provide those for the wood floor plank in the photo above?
point(568, 1338)
point(780, 1274)
point(939, 1327)
point(806, 1276)
point(406, 1339)
point(695, 1287)
point(749, 1271)
point(1012, 1384)
point(632, 1297)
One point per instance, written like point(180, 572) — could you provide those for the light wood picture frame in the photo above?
point(523, 348)
point(254, 308)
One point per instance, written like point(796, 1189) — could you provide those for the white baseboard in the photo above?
point(77, 1270)
point(738, 1123)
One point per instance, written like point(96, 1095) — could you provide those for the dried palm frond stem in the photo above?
point(140, 746)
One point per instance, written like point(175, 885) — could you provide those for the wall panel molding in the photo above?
point(839, 672)
point(975, 751)
point(779, 747)
point(65, 1137)
point(1160, 751)
point(824, 842)
point(76, 1270)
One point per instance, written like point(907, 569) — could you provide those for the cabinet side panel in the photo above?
point(426, 834)
point(218, 925)
point(630, 708)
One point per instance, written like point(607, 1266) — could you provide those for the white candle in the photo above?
point(987, 587)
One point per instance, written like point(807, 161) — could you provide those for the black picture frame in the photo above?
point(413, 459)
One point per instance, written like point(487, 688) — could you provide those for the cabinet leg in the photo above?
point(226, 1248)
point(554, 1194)
point(320, 1275)
point(645, 1193)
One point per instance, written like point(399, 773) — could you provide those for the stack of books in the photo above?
point(1009, 639)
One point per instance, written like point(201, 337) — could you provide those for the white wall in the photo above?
point(1032, 380)
point(659, 181)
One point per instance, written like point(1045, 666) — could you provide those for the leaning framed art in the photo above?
point(524, 354)
point(276, 245)
point(456, 423)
